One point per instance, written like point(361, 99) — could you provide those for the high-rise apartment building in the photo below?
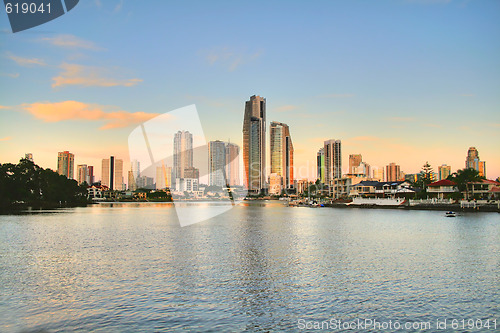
point(90, 174)
point(254, 144)
point(393, 172)
point(444, 171)
point(472, 161)
point(112, 173)
point(354, 161)
point(163, 177)
point(82, 174)
point(281, 152)
point(378, 174)
point(333, 160)
point(29, 157)
point(66, 164)
point(183, 153)
point(232, 164)
point(320, 165)
point(85, 174)
point(217, 163)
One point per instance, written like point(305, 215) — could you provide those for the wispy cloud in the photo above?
point(26, 62)
point(401, 119)
point(229, 58)
point(337, 96)
point(4, 107)
point(118, 7)
point(88, 76)
point(433, 125)
point(7, 138)
point(71, 42)
point(73, 110)
point(285, 108)
point(12, 75)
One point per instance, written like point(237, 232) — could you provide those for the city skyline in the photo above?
point(422, 87)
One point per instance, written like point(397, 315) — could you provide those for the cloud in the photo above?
point(229, 58)
point(7, 138)
point(118, 7)
point(285, 108)
point(26, 62)
point(4, 107)
point(73, 110)
point(401, 119)
point(72, 42)
point(88, 76)
point(337, 96)
point(12, 75)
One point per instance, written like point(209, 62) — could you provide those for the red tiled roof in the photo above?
point(495, 189)
point(444, 182)
point(486, 181)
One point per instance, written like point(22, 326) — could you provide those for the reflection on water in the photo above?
point(258, 267)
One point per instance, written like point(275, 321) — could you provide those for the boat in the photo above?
point(450, 214)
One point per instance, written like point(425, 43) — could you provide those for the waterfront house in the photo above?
point(442, 189)
point(482, 189)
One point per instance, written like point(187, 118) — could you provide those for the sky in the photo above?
point(405, 81)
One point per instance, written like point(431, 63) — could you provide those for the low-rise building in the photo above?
point(483, 189)
point(442, 189)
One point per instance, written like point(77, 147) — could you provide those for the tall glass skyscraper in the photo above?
point(254, 144)
point(217, 163)
point(472, 162)
point(333, 160)
point(183, 153)
point(281, 152)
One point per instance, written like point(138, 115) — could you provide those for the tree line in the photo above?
point(27, 184)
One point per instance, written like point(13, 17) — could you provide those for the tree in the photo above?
point(426, 174)
point(30, 184)
point(464, 176)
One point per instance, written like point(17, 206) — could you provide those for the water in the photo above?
point(258, 267)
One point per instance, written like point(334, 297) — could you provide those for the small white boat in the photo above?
point(450, 214)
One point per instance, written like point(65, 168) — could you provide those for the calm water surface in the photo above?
point(258, 267)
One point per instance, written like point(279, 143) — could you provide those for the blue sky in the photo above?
point(397, 81)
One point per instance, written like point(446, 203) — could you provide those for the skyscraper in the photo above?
point(354, 161)
point(333, 160)
point(482, 169)
point(183, 153)
point(29, 156)
point(112, 173)
point(65, 164)
point(472, 161)
point(232, 164)
point(163, 177)
point(444, 171)
point(90, 174)
point(254, 144)
point(281, 152)
point(217, 163)
point(82, 174)
point(393, 172)
point(320, 164)
point(378, 174)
